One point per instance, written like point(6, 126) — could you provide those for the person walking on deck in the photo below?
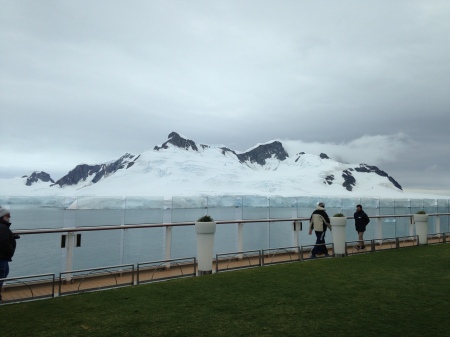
point(319, 221)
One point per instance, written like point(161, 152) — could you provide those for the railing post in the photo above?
point(69, 255)
point(380, 229)
point(296, 231)
point(411, 226)
point(438, 224)
point(168, 245)
point(240, 239)
point(122, 232)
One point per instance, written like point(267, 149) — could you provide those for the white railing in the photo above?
point(113, 272)
point(71, 235)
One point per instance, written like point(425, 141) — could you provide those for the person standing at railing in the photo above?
point(319, 221)
point(7, 245)
point(361, 221)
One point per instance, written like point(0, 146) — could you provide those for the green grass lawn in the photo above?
point(403, 292)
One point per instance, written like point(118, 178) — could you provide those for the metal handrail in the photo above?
point(144, 225)
point(154, 265)
point(176, 224)
point(124, 268)
point(38, 279)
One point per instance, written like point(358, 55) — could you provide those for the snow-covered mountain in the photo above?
point(180, 166)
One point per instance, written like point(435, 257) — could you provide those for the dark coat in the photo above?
point(7, 241)
point(361, 221)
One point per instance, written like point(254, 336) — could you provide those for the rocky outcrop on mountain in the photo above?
point(38, 176)
point(225, 150)
point(324, 156)
point(79, 173)
point(329, 179)
point(83, 172)
point(367, 168)
point(299, 155)
point(178, 141)
point(262, 152)
point(349, 180)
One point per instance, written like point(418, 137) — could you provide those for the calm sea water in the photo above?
point(41, 253)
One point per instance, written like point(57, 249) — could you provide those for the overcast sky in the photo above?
point(363, 81)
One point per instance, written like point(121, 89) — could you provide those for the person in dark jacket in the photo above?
point(7, 245)
point(319, 221)
point(361, 221)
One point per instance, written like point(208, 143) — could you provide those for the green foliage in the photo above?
point(339, 215)
point(205, 218)
point(421, 212)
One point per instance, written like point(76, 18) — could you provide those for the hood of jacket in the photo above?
point(6, 223)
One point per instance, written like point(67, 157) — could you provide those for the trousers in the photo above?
point(4, 270)
point(319, 247)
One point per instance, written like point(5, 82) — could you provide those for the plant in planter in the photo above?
point(339, 215)
point(338, 223)
point(420, 216)
point(205, 227)
point(205, 218)
point(339, 219)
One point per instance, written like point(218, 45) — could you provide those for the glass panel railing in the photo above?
point(256, 236)
point(186, 209)
point(37, 254)
point(226, 239)
point(281, 208)
point(143, 245)
point(184, 242)
point(255, 207)
point(225, 208)
point(140, 210)
point(416, 204)
point(137, 245)
point(98, 248)
point(33, 212)
point(281, 234)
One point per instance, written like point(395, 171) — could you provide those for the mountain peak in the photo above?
point(38, 176)
point(263, 152)
point(176, 140)
point(83, 171)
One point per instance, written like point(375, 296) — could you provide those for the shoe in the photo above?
point(312, 256)
point(358, 247)
point(363, 247)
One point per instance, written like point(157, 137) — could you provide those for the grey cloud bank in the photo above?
point(85, 82)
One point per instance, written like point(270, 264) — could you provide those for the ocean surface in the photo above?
point(42, 253)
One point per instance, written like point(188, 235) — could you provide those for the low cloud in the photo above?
point(369, 149)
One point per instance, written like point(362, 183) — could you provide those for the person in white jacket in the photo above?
point(319, 221)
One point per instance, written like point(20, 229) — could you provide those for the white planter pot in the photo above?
point(420, 217)
point(338, 230)
point(421, 221)
point(205, 246)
